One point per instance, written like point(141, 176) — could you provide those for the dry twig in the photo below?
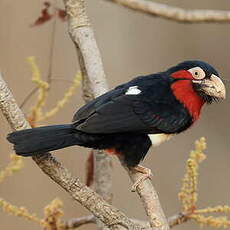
point(77, 222)
point(175, 13)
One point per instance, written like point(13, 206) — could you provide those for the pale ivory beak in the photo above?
point(212, 87)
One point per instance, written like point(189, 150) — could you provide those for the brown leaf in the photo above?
point(62, 14)
point(45, 15)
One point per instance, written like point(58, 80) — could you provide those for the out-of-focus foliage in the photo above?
point(37, 113)
point(15, 164)
point(189, 193)
point(52, 212)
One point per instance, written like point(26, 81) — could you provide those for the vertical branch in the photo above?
point(84, 40)
point(94, 84)
point(103, 162)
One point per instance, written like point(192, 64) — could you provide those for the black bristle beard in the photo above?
point(207, 98)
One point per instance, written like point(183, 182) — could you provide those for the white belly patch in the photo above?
point(157, 139)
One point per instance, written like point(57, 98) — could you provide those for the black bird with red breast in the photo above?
point(133, 116)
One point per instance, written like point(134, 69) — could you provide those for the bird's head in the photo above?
point(195, 83)
point(203, 77)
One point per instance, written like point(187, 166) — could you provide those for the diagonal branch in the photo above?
point(150, 201)
point(77, 222)
point(175, 13)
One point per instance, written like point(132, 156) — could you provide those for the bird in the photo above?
point(132, 117)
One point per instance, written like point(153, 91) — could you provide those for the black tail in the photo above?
point(29, 142)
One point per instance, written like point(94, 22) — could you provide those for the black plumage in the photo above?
point(154, 110)
point(114, 120)
point(121, 119)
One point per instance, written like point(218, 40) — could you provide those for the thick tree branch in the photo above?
point(77, 222)
point(94, 84)
point(83, 38)
point(175, 13)
point(150, 201)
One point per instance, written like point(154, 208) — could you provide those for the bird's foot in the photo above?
point(147, 173)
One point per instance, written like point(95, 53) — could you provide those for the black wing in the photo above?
point(153, 110)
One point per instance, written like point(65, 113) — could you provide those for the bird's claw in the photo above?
point(147, 174)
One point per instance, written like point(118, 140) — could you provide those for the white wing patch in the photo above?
point(133, 90)
point(157, 139)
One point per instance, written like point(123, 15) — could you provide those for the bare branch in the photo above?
point(177, 219)
point(77, 222)
point(83, 37)
point(27, 98)
point(94, 84)
point(150, 201)
point(172, 220)
point(176, 13)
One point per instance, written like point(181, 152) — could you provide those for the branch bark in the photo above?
point(77, 222)
point(150, 201)
point(175, 13)
point(178, 219)
point(94, 84)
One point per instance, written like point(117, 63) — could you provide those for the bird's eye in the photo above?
point(197, 73)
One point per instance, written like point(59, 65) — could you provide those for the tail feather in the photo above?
point(29, 142)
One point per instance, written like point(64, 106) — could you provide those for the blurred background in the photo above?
point(131, 44)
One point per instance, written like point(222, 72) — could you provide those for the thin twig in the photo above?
point(52, 44)
point(77, 222)
point(61, 79)
point(27, 98)
point(177, 219)
point(175, 13)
